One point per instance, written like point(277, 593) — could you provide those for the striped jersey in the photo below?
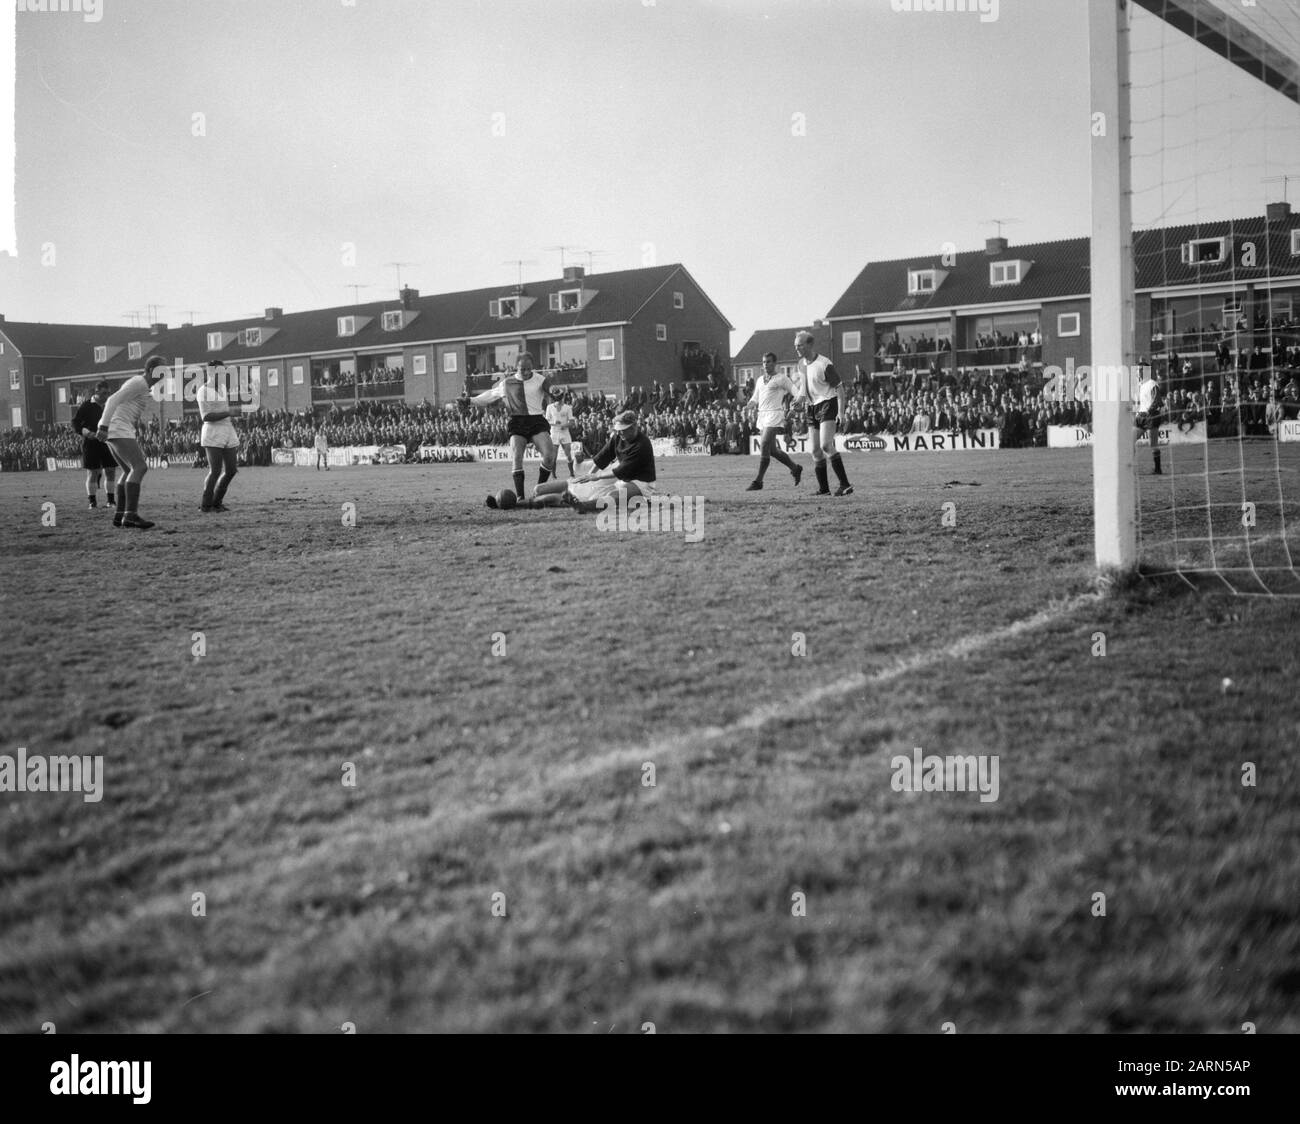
point(769, 396)
point(818, 380)
point(126, 406)
point(523, 397)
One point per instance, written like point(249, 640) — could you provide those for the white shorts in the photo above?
point(771, 421)
point(218, 438)
point(595, 490)
point(561, 437)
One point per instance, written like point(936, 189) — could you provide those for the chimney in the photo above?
point(574, 273)
point(994, 246)
point(409, 297)
point(1278, 212)
point(274, 313)
point(157, 329)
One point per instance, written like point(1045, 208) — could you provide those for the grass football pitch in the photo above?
point(500, 689)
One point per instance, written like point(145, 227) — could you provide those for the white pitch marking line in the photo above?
point(759, 717)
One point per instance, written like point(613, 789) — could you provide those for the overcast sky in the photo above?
point(773, 147)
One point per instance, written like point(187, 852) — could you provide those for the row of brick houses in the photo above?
point(603, 334)
point(1027, 306)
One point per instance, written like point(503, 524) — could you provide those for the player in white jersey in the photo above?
point(820, 385)
point(770, 393)
point(1149, 414)
point(122, 413)
point(220, 442)
point(559, 414)
point(524, 394)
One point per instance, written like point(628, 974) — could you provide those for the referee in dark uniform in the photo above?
point(96, 457)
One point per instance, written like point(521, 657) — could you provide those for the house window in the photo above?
point(297, 374)
point(420, 365)
point(15, 379)
point(16, 417)
point(661, 332)
point(449, 363)
point(605, 349)
point(39, 415)
point(252, 337)
point(347, 325)
point(1067, 324)
point(507, 308)
point(38, 380)
point(393, 321)
point(1295, 249)
point(1004, 273)
point(214, 341)
point(851, 341)
point(1205, 251)
point(920, 281)
point(273, 376)
point(679, 300)
point(63, 395)
point(134, 350)
point(567, 300)
point(101, 355)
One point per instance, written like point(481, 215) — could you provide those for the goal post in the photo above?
point(1180, 185)
point(1112, 280)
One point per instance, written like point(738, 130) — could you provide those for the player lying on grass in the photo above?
point(624, 468)
point(524, 394)
point(770, 392)
point(122, 413)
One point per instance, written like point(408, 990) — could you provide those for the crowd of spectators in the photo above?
point(720, 419)
point(342, 380)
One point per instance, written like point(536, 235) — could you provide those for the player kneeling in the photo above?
point(624, 468)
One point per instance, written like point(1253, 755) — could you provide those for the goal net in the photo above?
point(1196, 280)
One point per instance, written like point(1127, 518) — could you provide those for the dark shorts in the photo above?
point(96, 454)
point(1150, 421)
point(824, 411)
point(528, 425)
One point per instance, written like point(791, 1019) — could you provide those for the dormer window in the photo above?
point(1295, 242)
point(214, 341)
point(133, 351)
point(251, 337)
point(570, 300)
point(347, 325)
point(101, 355)
point(921, 282)
point(1006, 272)
point(507, 308)
point(1205, 251)
point(393, 321)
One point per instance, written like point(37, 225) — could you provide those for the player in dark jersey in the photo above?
point(524, 394)
point(96, 456)
point(630, 458)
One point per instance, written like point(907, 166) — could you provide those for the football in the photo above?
point(506, 499)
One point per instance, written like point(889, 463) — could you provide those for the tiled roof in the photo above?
point(781, 341)
point(45, 341)
point(444, 316)
point(1061, 269)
